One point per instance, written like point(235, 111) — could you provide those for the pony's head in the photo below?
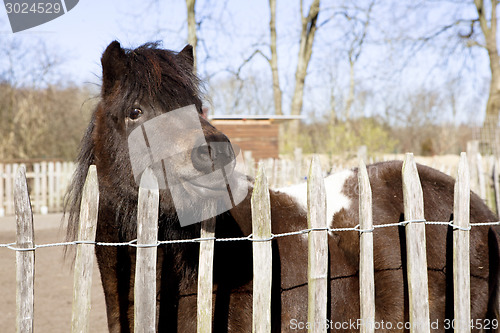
point(140, 86)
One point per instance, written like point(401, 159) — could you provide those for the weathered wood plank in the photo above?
point(415, 247)
point(45, 204)
point(58, 189)
point(8, 190)
point(317, 268)
point(25, 260)
point(472, 151)
point(51, 181)
point(262, 255)
point(363, 153)
point(2, 200)
point(461, 261)
point(366, 271)
point(297, 158)
point(205, 277)
point(145, 272)
point(496, 184)
point(480, 177)
point(35, 193)
point(84, 261)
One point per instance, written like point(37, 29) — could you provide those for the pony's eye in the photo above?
point(135, 113)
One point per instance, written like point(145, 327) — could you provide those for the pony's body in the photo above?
point(172, 87)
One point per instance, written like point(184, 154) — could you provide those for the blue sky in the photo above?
point(81, 35)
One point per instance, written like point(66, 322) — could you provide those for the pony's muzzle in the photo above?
point(214, 153)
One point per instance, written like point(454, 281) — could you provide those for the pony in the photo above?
point(142, 83)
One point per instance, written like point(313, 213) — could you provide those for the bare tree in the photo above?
point(308, 31)
point(489, 30)
point(191, 23)
point(354, 51)
point(274, 60)
point(466, 25)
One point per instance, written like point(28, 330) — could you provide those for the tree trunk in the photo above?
point(191, 21)
point(305, 51)
point(350, 95)
point(490, 125)
point(274, 60)
point(333, 108)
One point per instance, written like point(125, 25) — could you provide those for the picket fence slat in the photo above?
point(58, 189)
point(2, 204)
point(472, 152)
point(51, 191)
point(496, 184)
point(36, 195)
point(84, 261)
point(415, 247)
point(262, 255)
point(43, 167)
point(147, 237)
point(8, 189)
point(480, 177)
point(461, 260)
point(205, 277)
point(25, 260)
point(366, 272)
point(317, 268)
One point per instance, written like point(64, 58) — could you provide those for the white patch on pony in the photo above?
point(335, 199)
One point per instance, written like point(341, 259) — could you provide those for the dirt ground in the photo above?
point(53, 281)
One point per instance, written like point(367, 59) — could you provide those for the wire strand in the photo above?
point(133, 243)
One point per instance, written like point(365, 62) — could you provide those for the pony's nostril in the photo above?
point(200, 156)
point(222, 154)
point(212, 154)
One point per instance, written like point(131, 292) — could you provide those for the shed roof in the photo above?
point(279, 118)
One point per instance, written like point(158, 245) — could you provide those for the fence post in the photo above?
point(297, 157)
point(366, 272)
point(480, 177)
point(51, 190)
point(25, 260)
point(8, 189)
point(44, 205)
point(205, 277)
point(58, 189)
point(363, 153)
point(461, 262)
point(249, 163)
point(84, 261)
point(2, 200)
point(317, 268)
point(496, 184)
point(415, 247)
point(147, 238)
point(35, 193)
point(472, 151)
point(262, 255)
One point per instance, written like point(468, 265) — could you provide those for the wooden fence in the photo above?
point(484, 170)
point(145, 286)
point(47, 182)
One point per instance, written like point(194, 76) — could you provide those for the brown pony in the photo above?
point(140, 84)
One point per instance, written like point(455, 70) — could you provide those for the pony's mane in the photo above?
point(151, 72)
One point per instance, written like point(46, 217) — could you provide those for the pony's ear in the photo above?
point(187, 55)
point(113, 62)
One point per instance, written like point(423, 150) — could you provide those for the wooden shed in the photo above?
point(256, 133)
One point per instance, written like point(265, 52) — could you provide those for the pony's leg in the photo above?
point(114, 266)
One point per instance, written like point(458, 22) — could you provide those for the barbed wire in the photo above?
point(357, 228)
